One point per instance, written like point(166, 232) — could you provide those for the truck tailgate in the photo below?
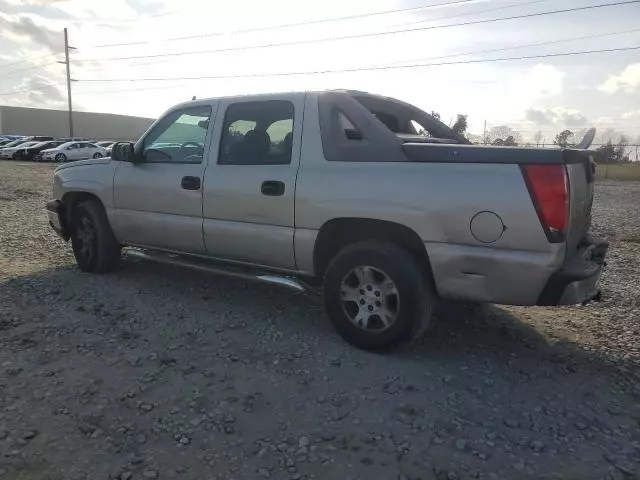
point(581, 175)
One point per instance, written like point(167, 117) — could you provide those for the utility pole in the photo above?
point(68, 64)
point(484, 135)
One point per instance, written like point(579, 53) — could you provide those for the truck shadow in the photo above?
point(461, 334)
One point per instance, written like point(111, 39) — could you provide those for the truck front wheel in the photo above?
point(94, 245)
point(376, 295)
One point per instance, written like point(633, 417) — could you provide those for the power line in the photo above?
point(25, 61)
point(24, 90)
point(516, 47)
point(363, 69)
point(300, 24)
point(477, 52)
point(373, 34)
point(27, 69)
point(108, 92)
point(520, 5)
point(125, 21)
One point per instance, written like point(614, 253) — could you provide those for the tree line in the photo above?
point(610, 152)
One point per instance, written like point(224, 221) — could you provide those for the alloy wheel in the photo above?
point(370, 298)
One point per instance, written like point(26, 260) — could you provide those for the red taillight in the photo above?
point(549, 191)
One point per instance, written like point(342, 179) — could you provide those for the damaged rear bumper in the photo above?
point(578, 280)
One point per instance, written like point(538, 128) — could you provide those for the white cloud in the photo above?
point(89, 10)
point(24, 29)
point(33, 2)
point(631, 114)
point(543, 80)
point(627, 81)
point(43, 92)
point(556, 115)
point(517, 91)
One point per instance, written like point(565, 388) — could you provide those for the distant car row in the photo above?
point(47, 149)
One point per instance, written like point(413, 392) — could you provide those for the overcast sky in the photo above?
point(544, 94)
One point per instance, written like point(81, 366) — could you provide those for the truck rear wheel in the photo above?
point(94, 245)
point(376, 295)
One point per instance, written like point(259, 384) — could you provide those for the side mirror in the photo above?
point(123, 152)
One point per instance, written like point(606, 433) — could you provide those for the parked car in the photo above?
point(40, 138)
point(75, 139)
point(10, 151)
point(12, 143)
point(73, 151)
point(33, 152)
point(339, 189)
point(106, 144)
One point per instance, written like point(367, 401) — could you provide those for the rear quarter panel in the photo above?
point(438, 202)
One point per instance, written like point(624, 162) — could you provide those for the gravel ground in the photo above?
point(155, 372)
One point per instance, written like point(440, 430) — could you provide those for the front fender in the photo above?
point(95, 179)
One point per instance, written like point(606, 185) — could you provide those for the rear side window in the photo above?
point(257, 133)
point(349, 129)
point(389, 121)
point(419, 129)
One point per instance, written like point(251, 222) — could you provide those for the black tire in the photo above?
point(94, 245)
point(61, 157)
point(15, 156)
point(97, 155)
point(415, 296)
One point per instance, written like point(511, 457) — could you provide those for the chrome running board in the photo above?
point(204, 265)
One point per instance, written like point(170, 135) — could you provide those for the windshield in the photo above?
point(25, 144)
point(41, 144)
point(14, 143)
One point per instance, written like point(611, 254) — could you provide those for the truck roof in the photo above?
point(204, 101)
point(377, 104)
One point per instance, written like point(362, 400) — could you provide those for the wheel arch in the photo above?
point(73, 198)
point(338, 233)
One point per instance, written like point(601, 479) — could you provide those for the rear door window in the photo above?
point(257, 133)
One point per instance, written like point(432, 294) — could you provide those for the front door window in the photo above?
point(179, 137)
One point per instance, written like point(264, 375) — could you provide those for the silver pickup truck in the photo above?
point(382, 205)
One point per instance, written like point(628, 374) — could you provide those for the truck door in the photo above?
point(158, 200)
point(249, 189)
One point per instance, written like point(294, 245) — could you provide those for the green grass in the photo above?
point(618, 172)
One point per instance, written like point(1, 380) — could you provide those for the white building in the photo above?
point(95, 126)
